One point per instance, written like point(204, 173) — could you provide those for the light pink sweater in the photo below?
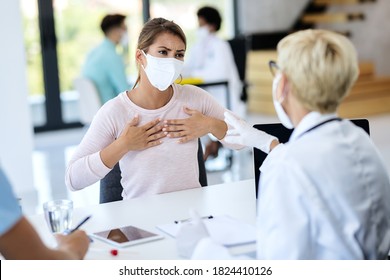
point(164, 168)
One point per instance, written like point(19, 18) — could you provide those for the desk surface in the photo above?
point(235, 199)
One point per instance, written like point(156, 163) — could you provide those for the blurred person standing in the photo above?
point(211, 59)
point(104, 66)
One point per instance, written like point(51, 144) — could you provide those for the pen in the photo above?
point(80, 224)
point(188, 219)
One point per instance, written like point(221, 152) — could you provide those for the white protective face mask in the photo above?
point(162, 72)
point(202, 33)
point(283, 117)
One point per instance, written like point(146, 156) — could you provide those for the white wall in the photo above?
point(268, 15)
point(16, 140)
point(370, 36)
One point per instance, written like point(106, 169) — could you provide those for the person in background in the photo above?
point(211, 59)
point(325, 194)
point(103, 65)
point(19, 240)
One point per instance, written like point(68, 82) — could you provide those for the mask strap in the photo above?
point(145, 57)
point(283, 92)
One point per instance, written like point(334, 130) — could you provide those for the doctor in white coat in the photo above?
point(212, 60)
point(325, 194)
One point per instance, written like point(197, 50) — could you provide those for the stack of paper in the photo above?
point(223, 229)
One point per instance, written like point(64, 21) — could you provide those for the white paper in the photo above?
point(223, 229)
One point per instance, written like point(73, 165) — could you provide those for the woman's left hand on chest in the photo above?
point(195, 126)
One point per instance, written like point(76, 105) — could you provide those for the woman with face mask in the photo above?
point(325, 194)
point(151, 130)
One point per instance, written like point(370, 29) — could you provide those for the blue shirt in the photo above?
point(10, 211)
point(105, 67)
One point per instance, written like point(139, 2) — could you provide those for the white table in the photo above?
point(234, 199)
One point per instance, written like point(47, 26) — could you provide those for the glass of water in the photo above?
point(58, 215)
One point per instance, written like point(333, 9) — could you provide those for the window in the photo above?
point(77, 31)
point(34, 61)
point(75, 38)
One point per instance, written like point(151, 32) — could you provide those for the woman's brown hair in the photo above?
point(152, 29)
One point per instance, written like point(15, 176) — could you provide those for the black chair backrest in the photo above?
point(111, 188)
point(283, 134)
point(239, 46)
point(239, 50)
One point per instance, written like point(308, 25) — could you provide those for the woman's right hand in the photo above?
point(136, 137)
point(133, 138)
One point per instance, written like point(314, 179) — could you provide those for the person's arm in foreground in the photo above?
point(23, 242)
point(242, 133)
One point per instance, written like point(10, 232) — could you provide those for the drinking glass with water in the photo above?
point(58, 215)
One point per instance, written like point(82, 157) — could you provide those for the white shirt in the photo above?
point(167, 167)
point(324, 195)
point(212, 60)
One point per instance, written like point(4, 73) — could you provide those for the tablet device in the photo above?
point(126, 236)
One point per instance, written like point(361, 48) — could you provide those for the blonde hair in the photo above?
point(152, 29)
point(321, 67)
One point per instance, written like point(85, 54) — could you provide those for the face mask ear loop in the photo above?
point(282, 97)
point(143, 67)
point(284, 94)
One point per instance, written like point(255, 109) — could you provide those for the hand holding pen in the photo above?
point(75, 245)
point(78, 226)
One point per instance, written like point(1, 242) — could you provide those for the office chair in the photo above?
point(239, 46)
point(89, 100)
point(111, 188)
point(283, 134)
